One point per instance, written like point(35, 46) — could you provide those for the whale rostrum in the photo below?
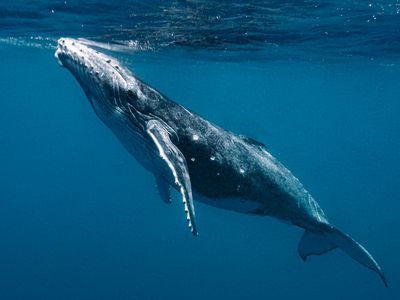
point(196, 157)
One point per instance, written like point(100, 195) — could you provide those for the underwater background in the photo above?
point(316, 81)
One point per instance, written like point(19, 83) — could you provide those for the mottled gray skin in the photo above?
point(226, 170)
point(221, 164)
point(230, 166)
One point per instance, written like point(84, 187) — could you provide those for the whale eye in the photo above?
point(131, 93)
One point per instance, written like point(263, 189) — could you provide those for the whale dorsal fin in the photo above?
point(176, 163)
point(253, 142)
point(163, 189)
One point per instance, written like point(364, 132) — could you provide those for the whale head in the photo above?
point(109, 85)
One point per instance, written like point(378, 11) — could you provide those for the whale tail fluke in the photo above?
point(331, 238)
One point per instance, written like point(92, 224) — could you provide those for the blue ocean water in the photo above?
point(317, 82)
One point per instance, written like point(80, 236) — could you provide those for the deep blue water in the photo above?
point(81, 219)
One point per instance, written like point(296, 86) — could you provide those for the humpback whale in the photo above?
point(188, 153)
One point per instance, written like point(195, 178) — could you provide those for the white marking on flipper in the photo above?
point(176, 162)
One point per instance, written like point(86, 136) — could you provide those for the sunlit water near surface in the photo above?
point(317, 82)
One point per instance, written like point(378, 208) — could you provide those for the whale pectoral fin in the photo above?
point(163, 189)
point(176, 162)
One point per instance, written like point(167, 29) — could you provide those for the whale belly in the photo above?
point(231, 203)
